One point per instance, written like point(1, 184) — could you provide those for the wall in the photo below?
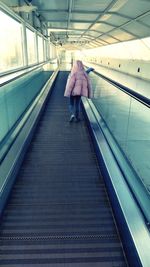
point(138, 68)
point(132, 57)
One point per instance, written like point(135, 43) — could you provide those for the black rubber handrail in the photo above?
point(143, 99)
point(26, 70)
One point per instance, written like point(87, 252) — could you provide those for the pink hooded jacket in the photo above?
point(78, 82)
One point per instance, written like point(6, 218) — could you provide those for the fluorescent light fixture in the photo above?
point(27, 9)
point(59, 30)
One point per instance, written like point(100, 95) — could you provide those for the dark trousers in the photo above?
point(74, 105)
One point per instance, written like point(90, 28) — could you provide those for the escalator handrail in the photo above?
point(143, 99)
point(10, 138)
point(20, 72)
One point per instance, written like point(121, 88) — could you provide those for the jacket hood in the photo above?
point(77, 67)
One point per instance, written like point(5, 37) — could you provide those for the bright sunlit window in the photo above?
point(52, 51)
point(31, 46)
point(11, 54)
point(40, 49)
point(46, 50)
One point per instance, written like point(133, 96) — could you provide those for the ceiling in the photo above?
point(93, 23)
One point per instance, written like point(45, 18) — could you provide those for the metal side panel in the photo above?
point(59, 212)
point(12, 161)
point(130, 220)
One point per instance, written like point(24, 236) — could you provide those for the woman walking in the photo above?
point(78, 85)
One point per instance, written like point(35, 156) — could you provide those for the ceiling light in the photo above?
point(59, 30)
point(26, 9)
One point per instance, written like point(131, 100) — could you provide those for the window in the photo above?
point(40, 49)
point(31, 46)
point(11, 52)
point(46, 45)
point(52, 52)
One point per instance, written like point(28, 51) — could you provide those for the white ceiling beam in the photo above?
point(66, 11)
point(72, 21)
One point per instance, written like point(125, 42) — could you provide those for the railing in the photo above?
point(18, 98)
point(17, 73)
point(125, 118)
point(143, 99)
point(20, 112)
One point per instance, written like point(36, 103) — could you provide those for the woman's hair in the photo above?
point(77, 66)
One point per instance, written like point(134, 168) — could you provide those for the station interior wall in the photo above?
point(133, 67)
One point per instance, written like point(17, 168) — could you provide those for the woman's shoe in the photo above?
point(72, 118)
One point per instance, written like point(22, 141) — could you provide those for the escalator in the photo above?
point(58, 213)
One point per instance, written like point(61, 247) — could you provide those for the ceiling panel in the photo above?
point(75, 32)
point(93, 33)
point(116, 20)
point(94, 45)
point(108, 21)
point(134, 8)
point(52, 4)
point(137, 29)
point(118, 5)
point(79, 25)
point(96, 5)
point(58, 25)
point(53, 16)
point(101, 41)
point(76, 16)
point(145, 20)
point(122, 35)
point(109, 39)
point(102, 27)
